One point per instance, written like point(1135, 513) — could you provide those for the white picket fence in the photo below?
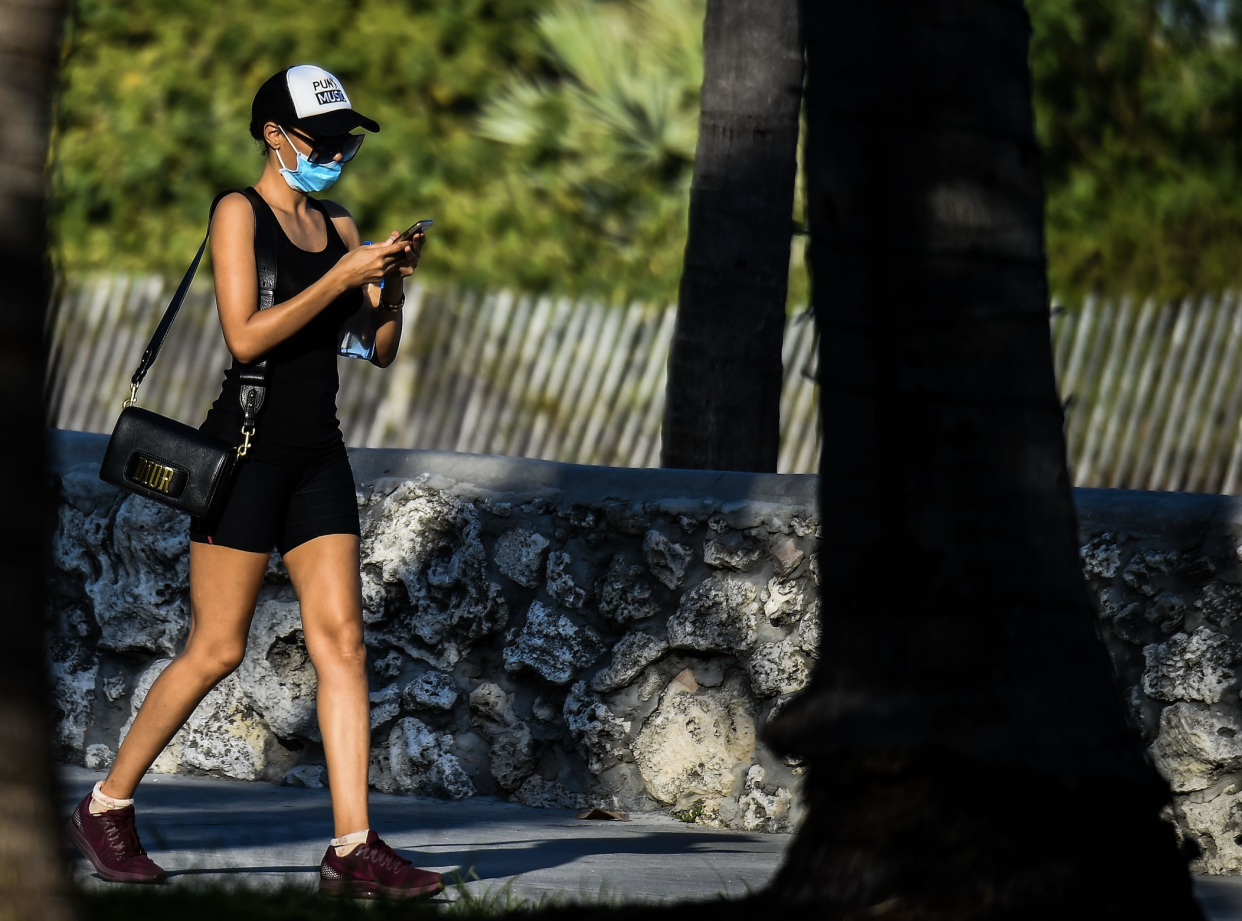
point(1154, 392)
point(551, 378)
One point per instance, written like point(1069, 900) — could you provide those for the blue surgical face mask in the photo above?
point(309, 177)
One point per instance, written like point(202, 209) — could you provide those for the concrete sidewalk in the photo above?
point(265, 835)
point(262, 835)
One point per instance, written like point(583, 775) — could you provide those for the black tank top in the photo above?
point(297, 424)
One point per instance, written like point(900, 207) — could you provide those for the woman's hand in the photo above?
point(367, 265)
point(405, 265)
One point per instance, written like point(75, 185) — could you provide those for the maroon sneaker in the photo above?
point(373, 869)
point(110, 841)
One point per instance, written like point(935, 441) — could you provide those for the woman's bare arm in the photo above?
point(250, 333)
point(386, 324)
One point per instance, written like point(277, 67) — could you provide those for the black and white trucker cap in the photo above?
point(306, 97)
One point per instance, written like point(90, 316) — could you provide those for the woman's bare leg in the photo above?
point(325, 574)
point(224, 585)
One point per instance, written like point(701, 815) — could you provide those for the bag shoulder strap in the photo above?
point(170, 313)
point(264, 247)
point(254, 375)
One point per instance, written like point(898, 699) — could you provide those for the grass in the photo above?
point(298, 903)
point(689, 816)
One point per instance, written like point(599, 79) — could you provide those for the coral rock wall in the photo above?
point(560, 635)
point(572, 636)
point(1166, 572)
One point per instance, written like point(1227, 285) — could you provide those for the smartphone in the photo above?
point(416, 228)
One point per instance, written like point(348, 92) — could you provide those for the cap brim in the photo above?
point(341, 121)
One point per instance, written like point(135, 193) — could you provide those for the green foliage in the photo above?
point(607, 140)
point(1138, 106)
point(154, 112)
point(691, 815)
point(552, 140)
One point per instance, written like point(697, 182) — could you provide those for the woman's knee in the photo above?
point(340, 644)
point(216, 660)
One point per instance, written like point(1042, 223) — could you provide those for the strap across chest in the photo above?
point(253, 376)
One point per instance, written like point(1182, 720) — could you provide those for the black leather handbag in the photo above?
point(169, 461)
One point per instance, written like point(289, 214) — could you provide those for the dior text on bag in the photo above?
point(166, 460)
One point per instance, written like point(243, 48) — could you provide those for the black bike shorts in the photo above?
point(281, 506)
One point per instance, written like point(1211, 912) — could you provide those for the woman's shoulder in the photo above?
point(232, 209)
point(334, 210)
point(342, 220)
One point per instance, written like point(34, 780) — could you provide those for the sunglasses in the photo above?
point(324, 149)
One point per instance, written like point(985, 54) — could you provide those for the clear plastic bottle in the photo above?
point(357, 337)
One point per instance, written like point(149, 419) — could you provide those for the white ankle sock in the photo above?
point(346, 843)
point(102, 802)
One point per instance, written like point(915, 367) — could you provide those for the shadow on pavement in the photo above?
point(504, 859)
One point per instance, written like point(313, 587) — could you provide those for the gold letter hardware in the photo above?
point(156, 476)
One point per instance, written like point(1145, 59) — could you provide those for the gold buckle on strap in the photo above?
point(242, 448)
point(133, 397)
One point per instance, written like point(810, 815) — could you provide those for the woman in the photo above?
point(293, 490)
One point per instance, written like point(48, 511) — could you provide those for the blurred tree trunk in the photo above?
point(33, 883)
point(722, 402)
point(969, 755)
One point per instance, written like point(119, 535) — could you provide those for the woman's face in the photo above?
point(279, 138)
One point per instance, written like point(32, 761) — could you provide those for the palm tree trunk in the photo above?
point(968, 752)
point(33, 883)
point(722, 403)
